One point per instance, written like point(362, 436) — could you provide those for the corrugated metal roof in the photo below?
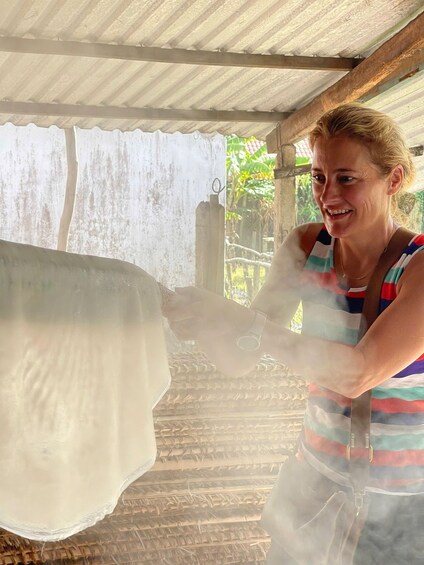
point(291, 27)
point(261, 26)
point(404, 102)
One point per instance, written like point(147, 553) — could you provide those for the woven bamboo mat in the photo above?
point(220, 443)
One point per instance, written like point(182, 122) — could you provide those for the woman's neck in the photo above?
point(356, 258)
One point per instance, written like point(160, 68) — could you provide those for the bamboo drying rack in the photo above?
point(220, 442)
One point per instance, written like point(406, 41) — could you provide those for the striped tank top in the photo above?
point(397, 422)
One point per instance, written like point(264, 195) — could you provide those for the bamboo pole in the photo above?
point(71, 187)
point(285, 195)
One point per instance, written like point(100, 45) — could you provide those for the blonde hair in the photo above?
point(381, 135)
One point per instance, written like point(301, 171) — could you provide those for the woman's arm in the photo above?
point(216, 323)
point(394, 341)
point(279, 297)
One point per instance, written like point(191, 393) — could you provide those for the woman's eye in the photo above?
point(320, 179)
point(345, 179)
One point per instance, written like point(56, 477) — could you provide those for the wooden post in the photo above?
point(256, 268)
point(210, 240)
point(285, 194)
point(71, 188)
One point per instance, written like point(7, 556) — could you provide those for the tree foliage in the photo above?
point(306, 207)
point(249, 174)
point(250, 179)
point(420, 205)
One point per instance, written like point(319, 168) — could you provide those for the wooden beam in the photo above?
point(408, 69)
point(292, 171)
point(391, 59)
point(123, 113)
point(180, 56)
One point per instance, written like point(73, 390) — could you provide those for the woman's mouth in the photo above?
point(338, 214)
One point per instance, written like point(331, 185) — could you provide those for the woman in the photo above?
point(360, 165)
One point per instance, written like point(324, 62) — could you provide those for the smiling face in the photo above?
point(349, 189)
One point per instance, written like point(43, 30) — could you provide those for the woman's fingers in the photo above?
point(190, 302)
point(203, 303)
point(186, 329)
point(211, 311)
point(194, 329)
point(178, 307)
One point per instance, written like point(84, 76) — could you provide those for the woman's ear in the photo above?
point(395, 180)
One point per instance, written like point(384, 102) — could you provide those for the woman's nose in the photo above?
point(330, 192)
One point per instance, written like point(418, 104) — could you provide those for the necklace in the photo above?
point(361, 277)
point(368, 273)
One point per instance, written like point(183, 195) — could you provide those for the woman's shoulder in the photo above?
point(410, 267)
point(296, 247)
point(306, 236)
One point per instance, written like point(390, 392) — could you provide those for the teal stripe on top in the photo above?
point(392, 442)
point(412, 393)
point(393, 275)
point(318, 264)
point(331, 433)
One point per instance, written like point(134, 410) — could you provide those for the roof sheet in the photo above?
point(404, 102)
point(290, 27)
point(323, 28)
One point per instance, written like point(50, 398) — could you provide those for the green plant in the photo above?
point(306, 207)
point(250, 199)
point(250, 176)
point(420, 211)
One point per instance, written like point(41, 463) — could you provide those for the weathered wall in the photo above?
point(32, 183)
point(136, 196)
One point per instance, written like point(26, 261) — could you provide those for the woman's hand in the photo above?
point(215, 323)
point(194, 313)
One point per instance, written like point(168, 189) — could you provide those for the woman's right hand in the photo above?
point(194, 313)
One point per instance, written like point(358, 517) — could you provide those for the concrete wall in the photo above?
point(136, 195)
